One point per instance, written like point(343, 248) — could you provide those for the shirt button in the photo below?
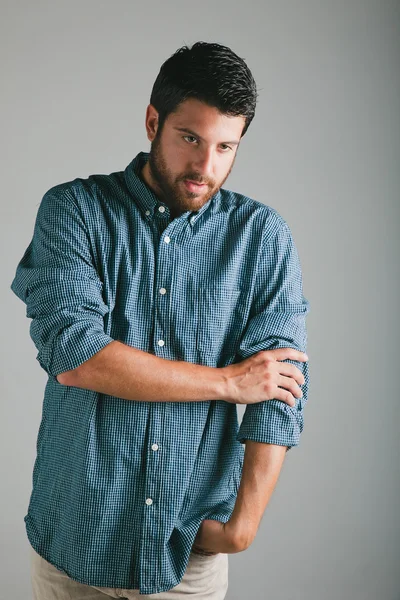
point(147, 212)
point(163, 291)
point(192, 220)
point(161, 342)
point(149, 501)
point(167, 239)
point(154, 446)
point(161, 209)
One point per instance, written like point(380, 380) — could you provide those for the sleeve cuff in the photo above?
point(272, 422)
point(82, 344)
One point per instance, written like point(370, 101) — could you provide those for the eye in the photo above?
point(226, 147)
point(186, 137)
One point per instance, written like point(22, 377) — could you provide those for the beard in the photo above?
point(171, 189)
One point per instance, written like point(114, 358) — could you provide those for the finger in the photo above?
point(291, 371)
point(288, 383)
point(288, 353)
point(198, 550)
point(285, 396)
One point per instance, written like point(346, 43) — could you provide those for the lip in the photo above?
point(193, 186)
point(195, 182)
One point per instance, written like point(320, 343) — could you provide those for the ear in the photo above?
point(151, 122)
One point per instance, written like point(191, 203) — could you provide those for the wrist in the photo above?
point(243, 529)
point(226, 391)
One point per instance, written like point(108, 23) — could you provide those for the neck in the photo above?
point(147, 178)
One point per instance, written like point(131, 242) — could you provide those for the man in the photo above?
point(159, 300)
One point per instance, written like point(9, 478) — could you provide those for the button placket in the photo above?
point(161, 316)
point(159, 411)
point(163, 276)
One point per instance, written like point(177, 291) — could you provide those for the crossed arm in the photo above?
point(261, 467)
point(59, 259)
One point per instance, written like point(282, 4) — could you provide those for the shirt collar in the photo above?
point(147, 200)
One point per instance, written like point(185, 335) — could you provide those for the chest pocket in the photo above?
point(219, 318)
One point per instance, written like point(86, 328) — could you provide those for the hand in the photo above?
point(214, 537)
point(263, 377)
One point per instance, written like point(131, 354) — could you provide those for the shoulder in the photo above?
point(83, 190)
point(258, 214)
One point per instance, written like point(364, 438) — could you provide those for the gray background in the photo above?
point(323, 150)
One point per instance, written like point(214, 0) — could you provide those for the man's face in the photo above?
point(196, 143)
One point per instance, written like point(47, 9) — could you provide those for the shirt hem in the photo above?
point(135, 587)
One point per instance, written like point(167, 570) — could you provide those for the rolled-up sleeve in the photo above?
point(57, 280)
point(277, 320)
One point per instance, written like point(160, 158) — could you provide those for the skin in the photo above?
point(196, 142)
point(261, 467)
point(206, 154)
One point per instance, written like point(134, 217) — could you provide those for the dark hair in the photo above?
point(210, 72)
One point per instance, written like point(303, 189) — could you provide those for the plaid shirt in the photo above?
point(120, 487)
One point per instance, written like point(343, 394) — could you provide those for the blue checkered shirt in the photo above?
point(121, 487)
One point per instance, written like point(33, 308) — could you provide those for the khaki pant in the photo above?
point(206, 577)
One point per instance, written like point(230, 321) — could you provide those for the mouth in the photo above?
point(192, 186)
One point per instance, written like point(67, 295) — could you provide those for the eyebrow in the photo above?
point(186, 130)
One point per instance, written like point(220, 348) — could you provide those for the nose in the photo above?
point(203, 164)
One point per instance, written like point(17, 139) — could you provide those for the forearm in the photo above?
point(261, 467)
point(132, 374)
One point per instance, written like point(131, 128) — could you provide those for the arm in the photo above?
point(261, 467)
point(268, 428)
point(132, 374)
point(58, 281)
point(277, 320)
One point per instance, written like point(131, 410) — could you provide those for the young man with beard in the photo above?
point(159, 300)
